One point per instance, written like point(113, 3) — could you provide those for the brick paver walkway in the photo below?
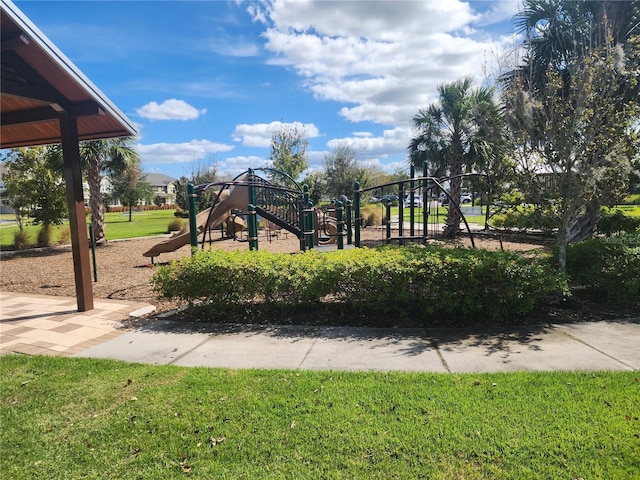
point(47, 325)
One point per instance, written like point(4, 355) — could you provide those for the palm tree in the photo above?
point(461, 132)
point(100, 158)
point(559, 31)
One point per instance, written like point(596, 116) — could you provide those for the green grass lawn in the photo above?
point(144, 223)
point(80, 418)
point(630, 210)
point(438, 214)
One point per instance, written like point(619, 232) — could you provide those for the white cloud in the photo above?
point(391, 142)
point(171, 109)
point(241, 163)
point(382, 60)
point(259, 134)
point(498, 12)
point(171, 153)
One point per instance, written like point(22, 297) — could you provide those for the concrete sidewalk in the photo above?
point(578, 346)
point(47, 325)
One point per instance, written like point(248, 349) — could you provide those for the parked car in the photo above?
point(392, 199)
point(464, 198)
point(417, 201)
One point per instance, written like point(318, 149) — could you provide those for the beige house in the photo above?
point(165, 187)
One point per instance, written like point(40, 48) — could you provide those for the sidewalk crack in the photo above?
point(178, 357)
point(573, 337)
point(434, 344)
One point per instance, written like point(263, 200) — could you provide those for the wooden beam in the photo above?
point(77, 217)
point(50, 112)
point(32, 85)
point(32, 115)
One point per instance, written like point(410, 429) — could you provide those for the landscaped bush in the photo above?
point(617, 222)
point(175, 225)
point(64, 235)
point(45, 236)
point(609, 268)
point(525, 217)
point(21, 239)
point(372, 215)
point(428, 284)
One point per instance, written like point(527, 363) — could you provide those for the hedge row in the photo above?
point(430, 283)
point(609, 268)
point(139, 208)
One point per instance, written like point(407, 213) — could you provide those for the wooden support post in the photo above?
point(77, 216)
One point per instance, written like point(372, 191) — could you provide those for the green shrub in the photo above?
point(608, 268)
point(45, 236)
point(20, 239)
point(372, 215)
point(526, 217)
point(617, 222)
point(64, 235)
point(175, 225)
point(425, 283)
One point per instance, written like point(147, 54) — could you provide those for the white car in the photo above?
point(417, 201)
point(464, 198)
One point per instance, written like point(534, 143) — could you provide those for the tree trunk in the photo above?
point(562, 253)
point(95, 201)
point(583, 226)
point(454, 218)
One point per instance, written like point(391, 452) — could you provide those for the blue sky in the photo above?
point(207, 82)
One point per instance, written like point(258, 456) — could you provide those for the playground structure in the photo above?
point(279, 203)
point(426, 201)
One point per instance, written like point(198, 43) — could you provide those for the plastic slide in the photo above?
point(234, 197)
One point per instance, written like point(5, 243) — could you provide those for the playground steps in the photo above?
point(278, 220)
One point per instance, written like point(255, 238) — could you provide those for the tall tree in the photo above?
point(289, 150)
point(580, 133)
point(572, 106)
point(103, 157)
point(34, 188)
point(202, 174)
point(557, 32)
point(130, 187)
point(341, 169)
point(462, 132)
point(317, 183)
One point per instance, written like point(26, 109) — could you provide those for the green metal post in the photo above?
point(252, 220)
point(302, 216)
point(356, 211)
point(412, 196)
point(427, 203)
point(305, 193)
point(400, 214)
point(252, 191)
point(388, 214)
point(309, 226)
point(340, 224)
point(348, 215)
point(193, 227)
